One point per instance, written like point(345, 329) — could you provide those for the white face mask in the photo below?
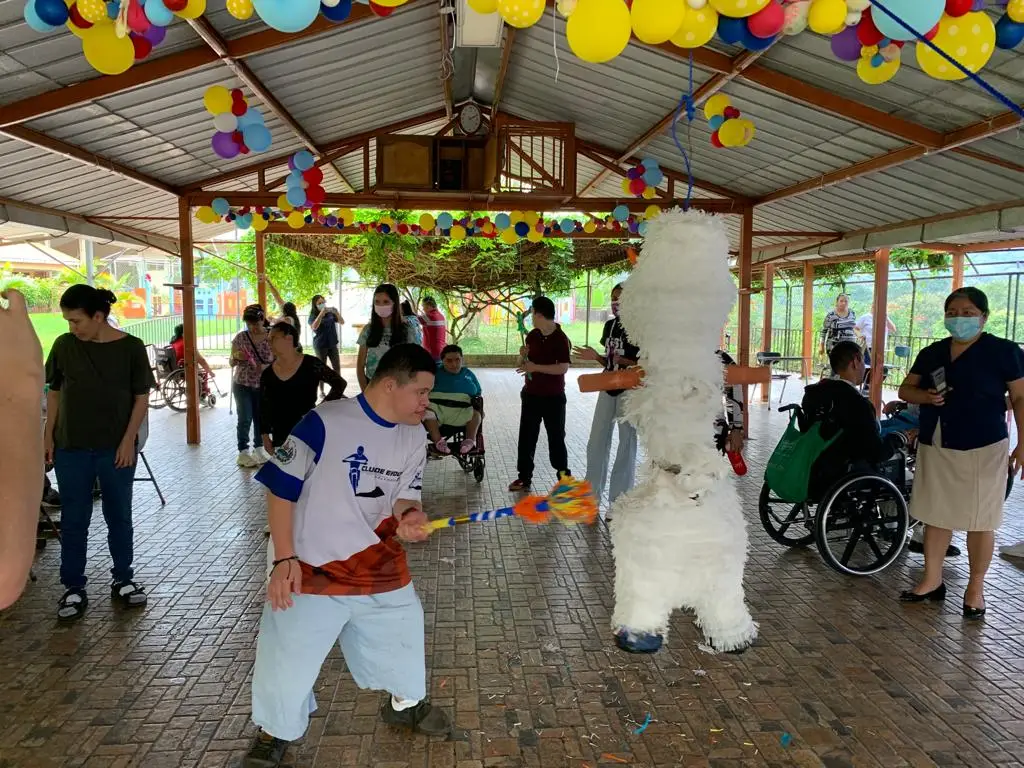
point(384, 310)
point(321, 305)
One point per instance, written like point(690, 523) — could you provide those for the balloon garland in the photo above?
point(729, 128)
point(240, 129)
point(642, 180)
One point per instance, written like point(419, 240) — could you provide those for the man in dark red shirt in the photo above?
point(545, 360)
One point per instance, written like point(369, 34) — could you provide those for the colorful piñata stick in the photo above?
point(570, 501)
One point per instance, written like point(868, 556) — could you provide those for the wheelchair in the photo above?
point(474, 461)
point(859, 524)
point(171, 382)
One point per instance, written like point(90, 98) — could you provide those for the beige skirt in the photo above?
point(960, 490)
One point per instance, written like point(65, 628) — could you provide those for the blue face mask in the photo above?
point(963, 328)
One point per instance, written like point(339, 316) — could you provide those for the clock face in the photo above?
point(470, 119)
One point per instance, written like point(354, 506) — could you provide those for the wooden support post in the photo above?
point(188, 312)
point(744, 264)
point(808, 350)
point(958, 270)
point(261, 269)
point(879, 314)
point(766, 328)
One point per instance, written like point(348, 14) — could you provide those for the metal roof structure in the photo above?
point(837, 167)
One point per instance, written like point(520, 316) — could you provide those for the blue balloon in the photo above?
point(731, 30)
point(157, 13)
point(112, 9)
point(716, 122)
point(653, 176)
point(339, 12)
point(252, 116)
point(294, 179)
point(304, 160)
point(567, 226)
point(621, 212)
point(445, 221)
point(257, 138)
point(642, 229)
point(1009, 33)
point(921, 15)
point(502, 221)
point(220, 206)
point(244, 221)
point(287, 15)
point(52, 12)
point(33, 20)
point(296, 196)
point(649, 162)
point(522, 228)
point(753, 42)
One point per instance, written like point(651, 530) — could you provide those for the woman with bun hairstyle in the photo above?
point(99, 379)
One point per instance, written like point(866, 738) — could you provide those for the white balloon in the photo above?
point(225, 122)
point(852, 19)
point(330, 3)
point(858, 5)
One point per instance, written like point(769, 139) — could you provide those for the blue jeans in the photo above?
point(599, 447)
point(247, 404)
point(77, 473)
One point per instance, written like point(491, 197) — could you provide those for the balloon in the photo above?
point(715, 141)
point(502, 221)
point(193, 9)
point(731, 133)
point(796, 17)
point(224, 145)
point(716, 122)
point(515, 217)
point(252, 116)
point(225, 122)
point(970, 40)
point(715, 105)
point(380, 10)
point(754, 43)
point(157, 13)
point(304, 160)
point(637, 186)
point(521, 228)
point(259, 223)
point(957, 8)
point(625, 185)
point(767, 22)
point(93, 11)
point(697, 28)
point(107, 52)
point(220, 206)
point(655, 21)
point(445, 220)
point(1009, 34)
point(589, 227)
point(141, 45)
point(155, 34)
point(484, 6)
point(338, 12)
point(739, 8)
point(653, 176)
point(598, 30)
point(524, 13)
point(287, 15)
point(257, 138)
point(390, 3)
point(314, 175)
point(731, 29)
point(296, 197)
point(846, 45)
point(534, 236)
point(175, 5)
point(877, 75)
point(35, 23)
point(649, 193)
point(620, 213)
point(826, 17)
point(427, 222)
point(509, 236)
point(217, 99)
point(1015, 10)
point(296, 219)
point(240, 9)
point(51, 12)
point(315, 194)
point(921, 15)
point(652, 212)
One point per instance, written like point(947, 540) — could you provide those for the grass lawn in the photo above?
point(48, 325)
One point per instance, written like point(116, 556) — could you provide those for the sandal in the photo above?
point(72, 605)
point(469, 444)
point(519, 485)
point(441, 446)
point(129, 594)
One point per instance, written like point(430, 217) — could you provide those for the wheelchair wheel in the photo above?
point(156, 398)
point(787, 523)
point(861, 527)
point(174, 391)
point(478, 469)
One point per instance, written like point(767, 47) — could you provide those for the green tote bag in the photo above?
point(788, 474)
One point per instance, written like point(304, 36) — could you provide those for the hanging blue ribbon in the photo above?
point(685, 102)
point(992, 90)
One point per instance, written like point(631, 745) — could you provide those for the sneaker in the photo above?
point(519, 486)
point(51, 499)
point(260, 456)
point(265, 752)
point(1014, 550)
point(423, 718)
point(245, 460)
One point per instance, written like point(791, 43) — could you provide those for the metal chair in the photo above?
point(769, 359)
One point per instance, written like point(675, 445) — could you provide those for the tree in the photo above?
point(297, 276)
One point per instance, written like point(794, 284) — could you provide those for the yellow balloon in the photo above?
point(521, 13)
point(739, 9)
point(655, 21)
point(259, 223)
point(716, 105)
point(652, 212)
point(649, 193)
point(346, 215)
point(827, 17)
point(515, 217)
point(92, 11)
point(590, 227)
point(598, 30)
point(283, 204)
point(877, 75)
point(205, 214)
point(509, 236)
point(748, 131)
point(969, 39)
point(391, 3)
point(427, 221)
point(531, 218)
point(731, 133)
point(457, 232)
point(107, 52)
point(484, 6)
point(534, 236)
point(241, 9)
point(625, 187)
point(1015, 10)
point(697, 27)
point(193, 9)
point(217, 100)
point(296, 220)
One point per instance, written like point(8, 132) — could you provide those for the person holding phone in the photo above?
point(250, 356)
point(961, 384)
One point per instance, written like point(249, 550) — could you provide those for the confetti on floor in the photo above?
point(613, 758)
point(786, 739)
point(643, 726)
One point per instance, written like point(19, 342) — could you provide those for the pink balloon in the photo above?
point(846, 45)
point(224, 145)
point(767, 22)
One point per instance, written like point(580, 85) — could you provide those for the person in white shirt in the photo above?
point(865, 328)
point(344, 491)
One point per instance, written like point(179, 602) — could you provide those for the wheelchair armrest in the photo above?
point(790, 407)
point(478, 404)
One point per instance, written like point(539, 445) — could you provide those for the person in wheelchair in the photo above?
point(177, 343)
point(453, 402)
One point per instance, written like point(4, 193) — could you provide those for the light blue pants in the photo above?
point(381, 637)
point(600, 445)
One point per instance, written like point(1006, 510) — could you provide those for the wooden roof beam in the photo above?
point(718, 81)
point(506, 55)
point(447, 72)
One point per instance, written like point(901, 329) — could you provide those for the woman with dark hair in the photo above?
point(250, 355)
point(290, 314)
point(99, 380)
point(288, 388)
point(413, 320)
point(387, 328)
point(961, 384)
point(324, 322)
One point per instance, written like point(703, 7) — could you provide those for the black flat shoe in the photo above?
point(973, 614)
point(937, 595)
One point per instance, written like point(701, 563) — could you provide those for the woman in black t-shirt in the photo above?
point(288, 388)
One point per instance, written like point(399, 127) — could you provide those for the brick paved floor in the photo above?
point(518, 644)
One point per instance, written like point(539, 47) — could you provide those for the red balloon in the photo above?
point(243, 149)
point(933, 33)
point(731, 113)
point(314, 176)
point(957, 8)
point(175, 5)
point(137, 19)
point(637, 186)
point(236, 137)
point(76, 17)
point(380, 10)
point(715, 141)
point(238, 108)
point(315, 194)
point(867, 32)
point(237, 94)
point(403, 229)
point(769, 21)
point(142, 47)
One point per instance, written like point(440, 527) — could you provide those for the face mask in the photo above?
point(963, 328)
point(615, 308)
point(383, 310)
point(320, 306)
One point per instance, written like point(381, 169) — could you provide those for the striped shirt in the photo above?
point(837, 328)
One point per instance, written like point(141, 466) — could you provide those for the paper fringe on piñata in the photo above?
point(571, 501)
